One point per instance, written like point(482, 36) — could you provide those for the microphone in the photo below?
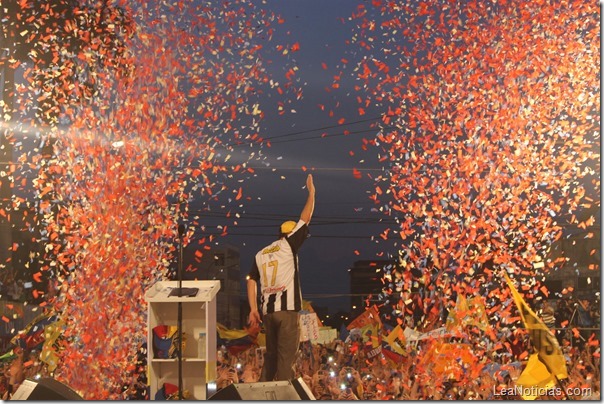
point(181, 230)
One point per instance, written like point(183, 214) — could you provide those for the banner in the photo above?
point(309, 327)
point(327, 335)
point(411, 335)
point(307, 306)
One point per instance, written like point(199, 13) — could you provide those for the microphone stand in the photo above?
point(181, 230)
point(181, 292)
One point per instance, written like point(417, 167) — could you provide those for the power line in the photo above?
point(281, 215)
point(329, 135)
point(323, 128)
point(273, 235)
point(316, 168)
point(315, 224)
point(241, 143)
point(329, 295)
point(317, 220)
point(239, 226)
point(367, 202)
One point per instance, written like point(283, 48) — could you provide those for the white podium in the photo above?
point(199, 331)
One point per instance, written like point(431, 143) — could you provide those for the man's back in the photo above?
point(275, 268)
point(277, 265)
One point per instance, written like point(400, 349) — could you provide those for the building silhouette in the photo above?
point(579, 277)
point(365, 279)
point(222, 264)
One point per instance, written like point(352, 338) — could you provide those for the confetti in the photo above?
point(486, 135)
point(130, 112)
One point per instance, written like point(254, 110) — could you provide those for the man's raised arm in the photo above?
point(309, 207)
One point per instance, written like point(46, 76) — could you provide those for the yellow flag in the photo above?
point(479, 313)
point(371, 333)
point(396, 340)
point(261, 339)
point(535, 379)
point(229, 334)
point(545, 343)
point(454, 320)
point(468, 312)
point(49, 353)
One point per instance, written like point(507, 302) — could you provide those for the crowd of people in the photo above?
point(473, 363)
point(479, 369)
point(17, 365)
point(343, 370)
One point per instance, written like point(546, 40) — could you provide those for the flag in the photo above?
point(49, 353)
point(396, 340)
point(395, 358)
point(535, 379)
point(235, 341)
point(371, 334)
point(468, 312)
point(479, 318)
point(547, 350)
point(10, 355)
point(369, 326)
point(450, 360)
point(343, 332)
point(369, 316)
point(33, 334)
point(261, 339)
point(454, 319)
point(230, 334)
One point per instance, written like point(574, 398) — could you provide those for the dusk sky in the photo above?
point(462, 138)
point(346, 222)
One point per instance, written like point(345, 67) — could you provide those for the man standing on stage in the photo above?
point(276, 268)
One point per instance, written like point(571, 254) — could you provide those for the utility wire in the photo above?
point(315, 224)
point(328, 295)
point(316, 168)
point(281, 216)
point(254, 204)
point(273, 235)
point(323, 128)
point(241, 143)
point(323, 136)
point(239, 226)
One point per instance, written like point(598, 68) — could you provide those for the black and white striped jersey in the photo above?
point(276, 270)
